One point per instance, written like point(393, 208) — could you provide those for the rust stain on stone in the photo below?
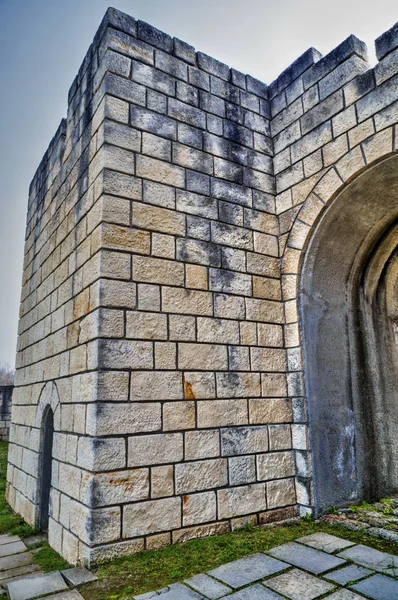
point(185, 500)
point(188, 391)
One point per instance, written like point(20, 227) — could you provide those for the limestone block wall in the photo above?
point(5, 410)
point(159, 317)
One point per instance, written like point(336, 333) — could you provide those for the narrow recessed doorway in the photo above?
point(46, 466)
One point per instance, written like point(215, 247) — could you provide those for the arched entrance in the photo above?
point(46, 466)
point(348, 306)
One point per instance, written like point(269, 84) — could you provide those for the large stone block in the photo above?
point(151, 517)
point(156, 385)
point(155, 449)
point(244, 440)
point(222, 413)
point(199, 508)
point(115, 488)
point(241, 500)
point(115, 418)
point(201, 475)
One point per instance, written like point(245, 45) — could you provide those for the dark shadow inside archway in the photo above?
point(46, 466)
point(349, 314)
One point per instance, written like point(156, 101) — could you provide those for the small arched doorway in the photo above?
point(348, 315)
point(46, 466)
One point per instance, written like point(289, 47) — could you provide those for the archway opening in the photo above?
point(348, 301)
point(46, 466)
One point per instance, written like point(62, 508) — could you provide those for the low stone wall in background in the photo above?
point(5, 410)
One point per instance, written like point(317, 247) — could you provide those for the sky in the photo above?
point(44, 43)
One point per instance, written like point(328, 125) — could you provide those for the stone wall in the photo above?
point(158, 320)
point(5, 410)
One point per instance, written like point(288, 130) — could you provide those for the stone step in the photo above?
point(12, 548)
point(16, 560)
point(35, 586)
point(18, 572)
point(6, 538)
point(78, 576)
point(32, 540)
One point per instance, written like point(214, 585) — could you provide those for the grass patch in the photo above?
point(151, 570)
point(49, 560)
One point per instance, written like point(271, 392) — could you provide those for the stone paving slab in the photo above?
point(19, 571)
point(69, 595)
point(33, 587)
point(246, 570)
point(16, 560)
point(373, 559)
point(14, 574)
point(345, 595)
point(176, 591)
point(306, 558)
point(255, 592)
point(6, 538)
point(298, 585)
point(78, 576)
point(347, 574)
point(263, 577)
point(12, 548)
point(378, 587)
point(208, 586)
point(325, 542)
point(32, 540)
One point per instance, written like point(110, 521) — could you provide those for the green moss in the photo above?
point(363, 506)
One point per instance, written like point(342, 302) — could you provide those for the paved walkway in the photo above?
point(315, 566)
point(22, 578)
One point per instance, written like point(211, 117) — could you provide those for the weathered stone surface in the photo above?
point(246, 570)
point(208, 586)
point(298, 585)
point(255, 592)
point(154, 449)
point(78, 576)
point(241, 500)
point(372, 559)
point(199, 508)
point(12, 548)
point(242, 470)
point(32, 587)
point(325, 542)
point(347, 574)
point(16, 561)
point(244, 440)
point(150, 517)
point(307, 558)
point(115, 487)
point(202, 444)
point(378, 587)
point(281, 493)
point(273, 465)
point(201, 475)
